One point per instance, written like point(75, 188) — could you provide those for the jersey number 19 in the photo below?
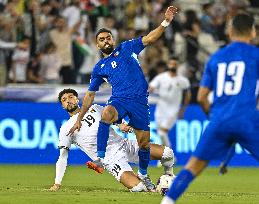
point(235, 70)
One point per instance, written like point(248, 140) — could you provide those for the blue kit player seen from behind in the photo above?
point(232, 74)
point(121, 68)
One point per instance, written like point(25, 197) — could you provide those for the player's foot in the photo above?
point(96, 165)
point(167, 200)
point(222, 169)
point(151, 187)
point(159, 164)
point(55, 187)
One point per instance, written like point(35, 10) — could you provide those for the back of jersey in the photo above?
point(232, 74)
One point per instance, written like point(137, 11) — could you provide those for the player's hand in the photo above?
point(75, 127)
point(170, 13)
point(125, 128)
point(55, 187)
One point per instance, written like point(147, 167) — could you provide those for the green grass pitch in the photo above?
point(21, 184)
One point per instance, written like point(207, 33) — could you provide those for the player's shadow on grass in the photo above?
point(83, 189)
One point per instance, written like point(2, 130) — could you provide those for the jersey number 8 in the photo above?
point(235, 70)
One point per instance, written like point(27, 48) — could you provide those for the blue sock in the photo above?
point(144, 157)
point(102, 138)
point(180, 184)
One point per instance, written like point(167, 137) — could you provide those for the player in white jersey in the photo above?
point(171, 88)
point(119, 152)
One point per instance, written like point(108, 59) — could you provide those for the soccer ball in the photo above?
point(163, 183)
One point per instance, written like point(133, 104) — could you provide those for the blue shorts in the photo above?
point(219, 135)
point(136, 110)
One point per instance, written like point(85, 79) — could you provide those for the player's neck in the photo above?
point(172, 74)
point(74, 112)
point(241, 39)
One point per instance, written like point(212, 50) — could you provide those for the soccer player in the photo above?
point(120, 151)
point(171, 104)
point(231, 73)
point(120, 66)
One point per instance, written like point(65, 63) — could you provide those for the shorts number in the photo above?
point(234, 70)
point(89, 120)
point(116, 169)
point(113, 64)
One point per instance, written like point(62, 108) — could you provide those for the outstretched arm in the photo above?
point(202, 98)
point(154, 35)
point(61, 166)
point(88, 100)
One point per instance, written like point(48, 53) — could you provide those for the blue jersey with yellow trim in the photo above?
point(122, 70)
point(232, 74)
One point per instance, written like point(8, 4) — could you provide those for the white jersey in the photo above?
point(86, 138)
point(170, 90)
point(119, 151)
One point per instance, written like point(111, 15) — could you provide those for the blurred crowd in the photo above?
point(53, 41)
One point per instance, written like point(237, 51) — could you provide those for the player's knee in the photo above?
point(144, 145)
point(168, 157)
point(109, 114)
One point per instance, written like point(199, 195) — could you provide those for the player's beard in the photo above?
point(71, 109)
point(172, 69)
point(107, 50)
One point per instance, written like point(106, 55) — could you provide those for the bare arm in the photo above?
point(186, 101)
point(61, 166)
point(202, 99)
point(154, 35)
point(87, 102)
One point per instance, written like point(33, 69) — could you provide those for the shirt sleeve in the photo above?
point(154, 83)
point(207, 78)
point(64, 140)
point(136, 45)
point(185, 83)
point(95, 81)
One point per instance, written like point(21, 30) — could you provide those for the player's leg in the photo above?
point(165, 155)
point(117, 165)
point(143, 138)
point(213, 144)
point(163, 133)
point(249, 134)
point(132, 182)
point(109, 115)
point(192, 169)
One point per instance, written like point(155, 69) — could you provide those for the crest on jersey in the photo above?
point(116, 54)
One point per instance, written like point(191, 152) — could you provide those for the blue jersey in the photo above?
point(232, 74)
point(122, 70)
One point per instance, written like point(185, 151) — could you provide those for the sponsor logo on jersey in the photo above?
point(116, 54)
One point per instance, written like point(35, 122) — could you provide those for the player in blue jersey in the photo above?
point(121, 68)
point(231, 74)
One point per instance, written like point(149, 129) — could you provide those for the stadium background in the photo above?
point(30, 115)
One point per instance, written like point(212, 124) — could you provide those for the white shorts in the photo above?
point(117, 160)
point(165, 121)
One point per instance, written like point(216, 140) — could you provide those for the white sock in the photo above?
point(138, 188)
point(164, 137)
point(167, 200)
point(61, 166)
point(141, 176)
point(167, 160)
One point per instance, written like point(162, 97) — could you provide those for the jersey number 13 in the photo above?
point(235, 70)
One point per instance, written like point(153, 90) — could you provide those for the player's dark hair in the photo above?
point(64, 91)
point(242, 24)
point(102, 30)
point(174, 57)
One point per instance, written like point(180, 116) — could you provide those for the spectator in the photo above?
point(33, 70)
point(3, 46)
point(20, 60)
point(62, 38)
point(50, 65)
